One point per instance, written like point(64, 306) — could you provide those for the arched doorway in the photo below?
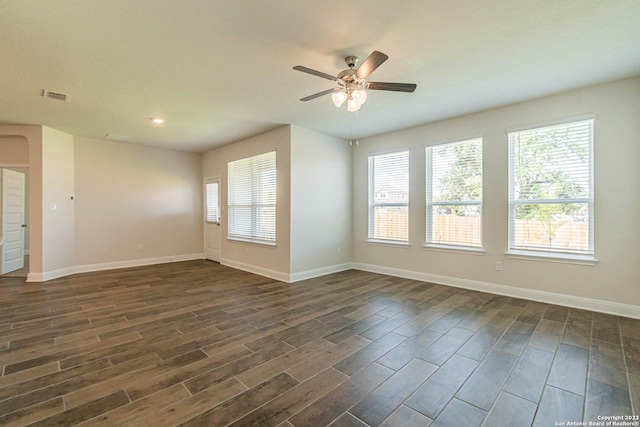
point(14, 206)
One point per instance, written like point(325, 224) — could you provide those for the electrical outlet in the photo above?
point(498, 266)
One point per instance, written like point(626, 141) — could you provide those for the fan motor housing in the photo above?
point(346, 74)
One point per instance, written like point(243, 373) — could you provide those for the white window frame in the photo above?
point(555, 255)
point(262, 231)
point(373, 237)
point(429, 239)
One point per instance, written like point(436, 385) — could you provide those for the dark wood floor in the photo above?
point(196, 343)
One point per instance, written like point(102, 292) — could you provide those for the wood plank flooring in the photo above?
point(199, 344)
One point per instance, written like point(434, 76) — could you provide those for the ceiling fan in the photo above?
point(352, 84)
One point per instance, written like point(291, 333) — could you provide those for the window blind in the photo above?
point(454, 193)
point(389, 196)
point(551, 189)
point(213, 206)
point(252, 199)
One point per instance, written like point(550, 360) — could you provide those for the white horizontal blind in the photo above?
point(213, 207)
point(389, 196)
point(551, 189)
point(454, 194)
point(252, 199)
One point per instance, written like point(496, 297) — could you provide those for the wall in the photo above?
point(135, 204)
point(14, 150)
point(610, 285)
point(269, 261)
point(320, 203)
point(58, 216)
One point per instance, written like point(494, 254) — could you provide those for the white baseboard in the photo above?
point(317, 272)
point(609, 307)
point(284, 277)
point(50, 275)
point(261, 271)
point(87, 268)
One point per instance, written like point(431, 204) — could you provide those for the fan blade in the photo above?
point(396, 87)
point(319, 94)
point(370, 64)
point(314, 72)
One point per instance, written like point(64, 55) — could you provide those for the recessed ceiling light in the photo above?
point(157, 120)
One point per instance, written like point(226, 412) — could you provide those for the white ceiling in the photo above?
point(221, 70)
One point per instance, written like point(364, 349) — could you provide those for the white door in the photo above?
point(212, 217)
point(12, 220)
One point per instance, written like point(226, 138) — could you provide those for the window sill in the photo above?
point(552, 257)
point(252, 242)
point(388, 243)
point(455, 249)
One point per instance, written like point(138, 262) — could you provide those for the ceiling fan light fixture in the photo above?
point(360, 96)
point(353, 106)
point(338, 98)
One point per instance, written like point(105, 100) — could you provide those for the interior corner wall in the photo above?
point(58, 216)
point(612, 284)
point(135, 204)
point(265, 260)
point(320, 203)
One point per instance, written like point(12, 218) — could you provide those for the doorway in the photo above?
point(212, 233)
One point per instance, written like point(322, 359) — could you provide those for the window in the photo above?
point(551, 190)
point(389, 197)
point(252, 199)
point(213, 206)
point(454, 194)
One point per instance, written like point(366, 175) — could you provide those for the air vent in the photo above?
point(56, 95)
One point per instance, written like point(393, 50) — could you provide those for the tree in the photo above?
point(539, 175)
point(463, 180)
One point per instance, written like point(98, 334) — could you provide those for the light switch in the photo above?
point(53, 207)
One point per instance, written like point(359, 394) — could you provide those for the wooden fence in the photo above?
point(454, 229)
